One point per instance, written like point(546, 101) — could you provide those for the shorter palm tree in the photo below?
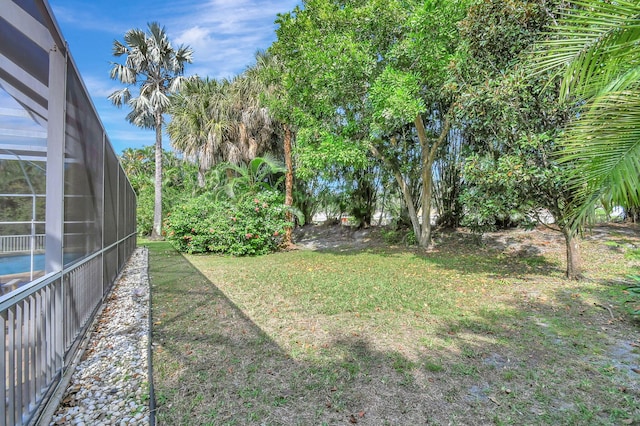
point(201, 123)
point(260, 174)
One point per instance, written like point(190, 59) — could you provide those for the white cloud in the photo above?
point(100, 87)
point(196, 37)
point(225, 35)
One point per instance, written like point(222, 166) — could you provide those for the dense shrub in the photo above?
point(250, 226)
point(392, 235)
point(634, 290)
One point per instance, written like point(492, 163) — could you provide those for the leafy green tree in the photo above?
point(358, 73)
point(512, 122)
point(154, 66)
point(594, 47)
point(328, 144)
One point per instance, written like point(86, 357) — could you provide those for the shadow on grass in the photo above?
point(214, 365)
point(466, 261)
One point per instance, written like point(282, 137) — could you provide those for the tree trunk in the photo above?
point(156, 233)
point(404, 187)
point(428, 156)
point(574, 262)
point(201, 178)
point(384, 198)
point(424, 239)
point(288, 183)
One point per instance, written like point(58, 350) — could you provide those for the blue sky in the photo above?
point(224, 34)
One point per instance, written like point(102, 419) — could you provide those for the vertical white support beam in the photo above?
point(103, 212)
point(118, 195)
point(55, 161)
point(55, 191)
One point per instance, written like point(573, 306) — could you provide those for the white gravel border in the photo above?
point(110, 385)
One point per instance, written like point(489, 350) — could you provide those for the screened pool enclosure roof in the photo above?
point(24, 64)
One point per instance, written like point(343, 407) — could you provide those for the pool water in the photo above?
point(20, 263)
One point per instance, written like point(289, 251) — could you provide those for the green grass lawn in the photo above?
point(462, 334)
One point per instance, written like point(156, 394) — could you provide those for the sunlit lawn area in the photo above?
point(463, 334)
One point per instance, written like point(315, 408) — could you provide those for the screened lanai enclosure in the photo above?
point(67, 210)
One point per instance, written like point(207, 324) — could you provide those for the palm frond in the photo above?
point(594, 48)
point(593, 41)
point(158, 33)
point(177, 84)
point(119, 49)
point(120, 97)
point(604, 146)
point(141, 114)
point(136, 40)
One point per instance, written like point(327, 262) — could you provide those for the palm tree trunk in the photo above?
point(156, 233)
point(574, 261)
point(288, 183)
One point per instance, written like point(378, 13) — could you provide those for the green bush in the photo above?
point(634, 290)
point(399, 236)
point(251, 226)
point(144, 212)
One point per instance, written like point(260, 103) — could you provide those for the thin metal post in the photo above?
point(103, 211)
point(33, 234)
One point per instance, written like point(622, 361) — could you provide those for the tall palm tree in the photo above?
point(594, 45)
point(154, 66)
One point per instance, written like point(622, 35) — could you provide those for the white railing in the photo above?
point(21, 243)
point(43, 322)
point(31, 352)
